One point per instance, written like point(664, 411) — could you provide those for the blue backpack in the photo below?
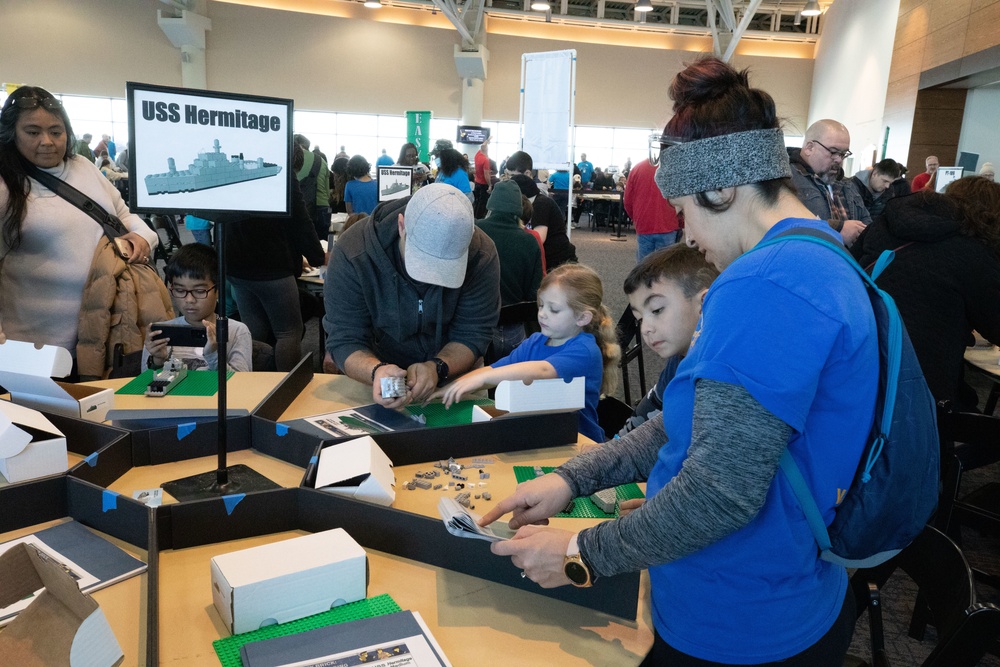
point(894, 491)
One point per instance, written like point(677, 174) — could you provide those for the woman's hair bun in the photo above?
point(706, 80)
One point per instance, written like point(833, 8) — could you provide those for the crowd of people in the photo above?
point(767, 348)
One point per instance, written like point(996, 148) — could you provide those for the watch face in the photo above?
point(576, 572)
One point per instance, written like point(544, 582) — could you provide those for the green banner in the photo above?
point(418, 129)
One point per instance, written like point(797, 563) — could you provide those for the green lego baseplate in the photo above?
point(195, 383)
point(458, 414)
point(228, 648)
point(583, 508)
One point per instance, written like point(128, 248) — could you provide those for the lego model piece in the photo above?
point(462, 478)
point(422, 484)
point(438, 486)
point(393, 387)
point(538, 471)
point(173, 372)
point(483, 475)
point(606, 500)
point(569, 508)
point(487, 495)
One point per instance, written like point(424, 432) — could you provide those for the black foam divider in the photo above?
point(29, 503)
point(209, 521)
point(290, 386)
point(107, 464)
point(426, 540)
point(281, 442)
point(108, 512)
point(189, 440)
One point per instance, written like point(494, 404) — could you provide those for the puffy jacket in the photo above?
point(119, 301)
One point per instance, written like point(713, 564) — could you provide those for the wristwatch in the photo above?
point(442, 370)
point(575, 568)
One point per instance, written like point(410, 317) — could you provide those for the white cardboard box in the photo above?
point(26, 371)
point(540, 396)
point(283, 581)
point(62, 627)
point(357, 469)
point(30, 446)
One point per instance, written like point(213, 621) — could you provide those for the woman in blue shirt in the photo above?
point(454, 170)
point(785, 357)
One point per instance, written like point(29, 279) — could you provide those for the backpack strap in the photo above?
point(787, 464)
point(111, 225)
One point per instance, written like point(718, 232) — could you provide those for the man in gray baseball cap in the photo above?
point(412, 292)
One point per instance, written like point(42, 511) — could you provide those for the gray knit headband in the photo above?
point(722, 162)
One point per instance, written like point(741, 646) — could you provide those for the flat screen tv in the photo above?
point(471, 134)
point(208, 152)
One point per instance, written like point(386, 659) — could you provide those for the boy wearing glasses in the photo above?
point(192, 276)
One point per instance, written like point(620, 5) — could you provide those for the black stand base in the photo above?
point(242, 479)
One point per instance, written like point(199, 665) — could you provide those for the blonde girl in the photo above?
point(577, 339)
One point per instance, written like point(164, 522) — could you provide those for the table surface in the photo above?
point(471, 618)
point(986, 359)
point(244, 392)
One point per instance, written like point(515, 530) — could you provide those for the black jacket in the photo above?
point(945, 284)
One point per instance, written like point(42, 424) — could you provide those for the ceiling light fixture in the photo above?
point(812, 8)
point(644, 6)
point(540, 5)
point(373, 4)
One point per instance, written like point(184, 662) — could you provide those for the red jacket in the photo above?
point(644, 203)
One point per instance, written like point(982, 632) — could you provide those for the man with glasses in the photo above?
point(816, 170)
point(923, 181)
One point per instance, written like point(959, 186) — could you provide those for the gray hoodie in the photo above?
point(372, 304)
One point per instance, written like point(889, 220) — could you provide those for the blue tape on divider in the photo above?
point(314, 460)
point(109, 501)
point(91, 460)
point(281, 429)
point(184, 430)
point(232, 501)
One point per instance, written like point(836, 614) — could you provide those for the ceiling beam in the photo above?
point(450, 11)
point(748, 15)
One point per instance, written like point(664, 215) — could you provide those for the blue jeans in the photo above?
point(650, 242)
point(202, 236)
point(505, 339)
point(271, 307)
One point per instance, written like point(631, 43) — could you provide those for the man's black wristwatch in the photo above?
point(442, 370)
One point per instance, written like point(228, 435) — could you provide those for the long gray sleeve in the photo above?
point(735, 448)
point(620, 461)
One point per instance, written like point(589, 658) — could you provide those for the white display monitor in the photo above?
point(946, 175)
point(207, 152)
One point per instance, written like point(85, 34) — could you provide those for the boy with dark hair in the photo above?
point(192, 278)
point(665, 291)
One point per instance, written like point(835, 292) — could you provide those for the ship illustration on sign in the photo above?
point(394, 188)
point(209, 170)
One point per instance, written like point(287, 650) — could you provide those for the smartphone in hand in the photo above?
point(181, 335)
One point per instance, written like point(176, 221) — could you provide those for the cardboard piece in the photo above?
point(26, 371)
point(541, 396)
point(357, 469)
point(62, 627)
point(42, 453)
point(287, 580)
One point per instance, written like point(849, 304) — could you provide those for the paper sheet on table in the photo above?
point(463, 523)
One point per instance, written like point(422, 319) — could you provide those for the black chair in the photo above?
point(966, 628)
point(968, 441)
point(630, 341)
point(612, 415)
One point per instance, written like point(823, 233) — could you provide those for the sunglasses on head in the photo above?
point(28, 102)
